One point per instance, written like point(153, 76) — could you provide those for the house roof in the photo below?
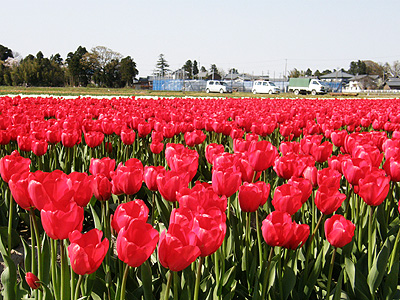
point(393, 81)
point(363, 76)
point(337, 74)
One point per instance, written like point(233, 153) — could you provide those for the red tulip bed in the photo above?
point(184, 198)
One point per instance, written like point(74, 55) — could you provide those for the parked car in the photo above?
point(217, 87)
point(265, 87)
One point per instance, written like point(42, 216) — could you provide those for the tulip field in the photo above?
point(199, 198)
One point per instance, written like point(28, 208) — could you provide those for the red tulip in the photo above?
point(18, 185)
point(128, 136)
point(177, 248)
point(13, 164)
point(24, 142)
point(301, 232)
point(339, 231)
point(374, 188)
point(101, 187)
point(170, 183)
point(32, 280)
point(127, 212)
point(60, 220)
point(70, 138)
point(303, 185)
point(322, 152)
point(226, 182)
point(213, 150)
point(136, 242)
point(253, 195)
point(194, 138)
point(261, 155)
point(39, 147)
point(82, 186)
point(184, 163)
point(156, 147)
point(289, 166)
point(277, 229)
point(50, 188)
point(310, 173)
point(144, 129)
point(150, 176)
point(328, 199)
point(392, 168)
point(354, 169)
point(128, 178)
point(287, 198)
point(86, 251)
point(329, 177)
point(210, 232)
point(102, 166)
point(94, 138)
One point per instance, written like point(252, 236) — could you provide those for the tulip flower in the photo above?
point(354, 169)
point(226, 182)
point(339, 231)
point(277, 229)
point(94, 138)
point(213, 150)
point(194, 138)
point(253, 195)
point(170, 183)
point(328, 199)
point(261, 155)
point(374, 188)
point(86, 251)
point(126, 212)
point(128, 136)
point(392, 168)
point(156, 147)
point(39, 147)
point(128, 178)
point(287, 198)
point(103, 166)
point(81, 184)
point(177, 248)
point(32, 280)
point(136, 242)
point(101, 187)
point(150, 176)
point(13, 164)
point(59, 220)
point(301, 232)
point(18, 185)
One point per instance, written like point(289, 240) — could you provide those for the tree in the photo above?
point(78, 74)
point(128, 70)
point(188, 68)
point(317, 73)
point(203, 69)
point(214, 70)
point(162, 66)
point(308, 72)
point(295, 73)
point(195, 68)
point(357, 68)
point(392, 70)
point(5, 53)
point(233, 71)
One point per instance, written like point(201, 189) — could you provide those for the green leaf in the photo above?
point(338, 289)
point(146, 280)
point(390, 283)
point(229, 276)
point(46, 259)
point(289, 279)
point(357, 280)
point(27, 256)
point(378, 268)
point(15, 239)
point(97, 223)
point(9, 278)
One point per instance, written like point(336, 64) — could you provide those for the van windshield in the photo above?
point(222, 83)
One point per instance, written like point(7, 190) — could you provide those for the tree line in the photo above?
point(104, 67)
point(100, 67)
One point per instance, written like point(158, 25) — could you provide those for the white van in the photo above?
point(217, 87)
point(265, 87)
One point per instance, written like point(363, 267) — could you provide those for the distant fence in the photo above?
point(200, 85)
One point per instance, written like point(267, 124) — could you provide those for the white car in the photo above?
point(217, 87)
point(265, 87)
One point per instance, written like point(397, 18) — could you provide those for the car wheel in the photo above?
point(207, 91)
point(221, 91)
point(296, 92)
point(271, 92)
point(313, 92)
point(254, 92)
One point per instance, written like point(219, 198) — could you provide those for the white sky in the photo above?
point(255, 36)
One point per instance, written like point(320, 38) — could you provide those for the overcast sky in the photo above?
point(259, 36)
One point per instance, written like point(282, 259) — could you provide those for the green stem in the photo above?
point(33, 242)
point(280, 273)
point(153, 196)
point(54, 276)
point(370, 230)
point(260, 251)
point(176, 286)
point(247, 243)
point(394, 252)
point(328, 289)
point(123, 285)
point(198, 277)
point(39, 246)
point(266, 276)
point(10, 221)
point(64, 271)
point(166, 296)
point(216, 264)
point(78, 287)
